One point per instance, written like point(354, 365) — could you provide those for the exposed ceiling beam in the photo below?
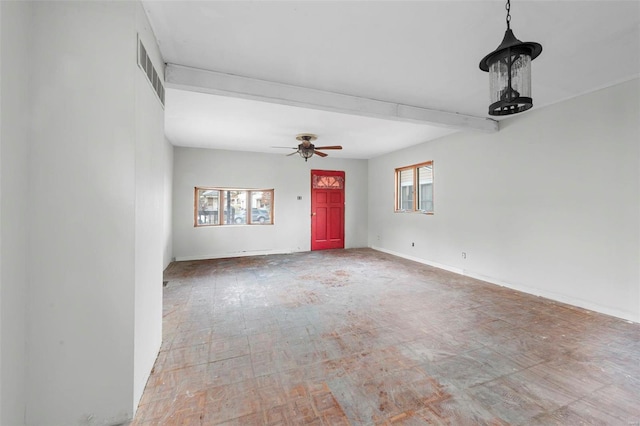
point(216, 83)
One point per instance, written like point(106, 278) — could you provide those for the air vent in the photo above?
point(150, 71)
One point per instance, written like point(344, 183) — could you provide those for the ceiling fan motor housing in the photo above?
point(306, 139)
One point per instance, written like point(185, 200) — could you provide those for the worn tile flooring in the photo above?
point(361, 337)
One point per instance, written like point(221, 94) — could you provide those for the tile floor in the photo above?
point(361, 337)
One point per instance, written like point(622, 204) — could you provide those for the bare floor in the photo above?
point(361, 337)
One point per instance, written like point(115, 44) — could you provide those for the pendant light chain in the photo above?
point(508, 7)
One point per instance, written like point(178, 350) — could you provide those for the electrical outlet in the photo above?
point(464, 255)
point(413, 244)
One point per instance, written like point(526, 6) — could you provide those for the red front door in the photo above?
point(327, 209)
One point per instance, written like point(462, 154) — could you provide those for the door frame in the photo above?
point(342, 178)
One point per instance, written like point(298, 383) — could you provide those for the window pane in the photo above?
point(208, 206)
point(328, 182)
point(406, 189)
point(223, 206)
point(234, 203)
point(261, 207)
point(425, 188)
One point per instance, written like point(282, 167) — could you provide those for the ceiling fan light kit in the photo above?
point(509, 68)
point(306, 149)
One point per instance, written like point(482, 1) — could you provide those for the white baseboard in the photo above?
point(420, 260)
point(584, 304)
point(236, 254)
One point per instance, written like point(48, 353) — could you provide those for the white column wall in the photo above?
point(14, 213)
point(550, 205)
point(95, 193)
point(149, 213)
point(82, 193)
point(289, 176)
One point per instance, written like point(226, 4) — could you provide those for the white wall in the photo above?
point(96, 214)
point(549, 205)
point(149, 212)
point(21, 401)
point(289, 176)
point(168, 205)
point(14, 116)
point(82, 240)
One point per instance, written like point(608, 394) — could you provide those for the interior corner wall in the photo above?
point(149, 212)
point(14, 116)
point(168, 204)
point(290, 177)
point(549, 205)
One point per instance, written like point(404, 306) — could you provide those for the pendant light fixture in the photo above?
point(509, 68)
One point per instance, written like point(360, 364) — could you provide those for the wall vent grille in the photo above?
point(144, 62)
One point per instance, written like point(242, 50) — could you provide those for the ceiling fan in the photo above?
point(306, 148)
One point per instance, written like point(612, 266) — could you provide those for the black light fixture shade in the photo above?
point(509, 68)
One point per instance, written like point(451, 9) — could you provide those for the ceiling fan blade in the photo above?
point(321, 154)
point(285, 147)
point(289, 155)
point(329, 147)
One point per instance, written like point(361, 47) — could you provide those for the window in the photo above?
point(226, 206)
point(414, 188)
point(328, 182)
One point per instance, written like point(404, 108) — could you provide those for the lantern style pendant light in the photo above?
point(509, 68)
